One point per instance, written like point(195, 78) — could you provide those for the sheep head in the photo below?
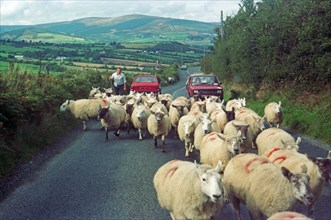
point(103, 112)
point(210, 181)
point(232, 143)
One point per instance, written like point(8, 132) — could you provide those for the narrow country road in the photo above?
point(93, 179)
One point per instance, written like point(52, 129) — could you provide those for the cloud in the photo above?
point(16, 12)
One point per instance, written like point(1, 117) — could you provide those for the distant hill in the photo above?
point(129, 28)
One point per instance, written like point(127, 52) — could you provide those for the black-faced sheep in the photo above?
point(188, 190)
point(273, 113)
point(264, 187)
point(84, 109)
point(112, 117)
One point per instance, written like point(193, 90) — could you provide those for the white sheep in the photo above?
point(166, 99)
point(232, 128)
point(273, 113)
point(198, 106)
point(216, 146)
point(95, 93)
point(186, 127)
point(287, 215)
point(139, 118)
point(112, 117)
point(206, 126)
point(220, 118)
point(275, 138)
point(84, 109)
point(264, 187)
point(178, 108)
point(212, 105)
point(318, 168)
point(235, 103)
point(188, 190)
point(159, 125)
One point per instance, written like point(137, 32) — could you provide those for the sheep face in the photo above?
point(103, 112)
point(159, 116)
point(64, 106)
point(210, 181)
point(141, 113)
point(206, 125)
point(300, 184)
point(243, 129)
point(94, 91)
point(324, 165)
point(232, 143)
point(189, 128)
point(292, 146)
point(259, 123)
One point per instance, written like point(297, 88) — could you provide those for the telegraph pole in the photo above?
point(221, 27)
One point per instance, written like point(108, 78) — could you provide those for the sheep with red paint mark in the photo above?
point(273, 113)
point(318, 168)
point(264, 187)
point(288, 216)
point(219, 116)
point(205, 127)
point(189, 190)
point(276, 138)
point(216, 146)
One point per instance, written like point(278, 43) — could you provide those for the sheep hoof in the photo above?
point(116, 134)
point(163, 150)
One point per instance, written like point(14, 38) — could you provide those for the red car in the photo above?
point(203, 85)
point(145, 83)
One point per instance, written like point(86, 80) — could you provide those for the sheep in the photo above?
point(188, 190)
point(216, 146)
point(108, 91)
point(318, 168)
point(275, 138)
point(288, 216)
point(186, 127)
point(255, 122)
point(177, 109)
point(166, 99)
point(220, 118)
point(232, 127)
point(158, 104)
point(112, 116)
point(95, 93)
point(83, 109)
point(139, 118)
point(204, 127)
point(158, 124)
point(273, 113)
point(264, 187)
point(212, 105)
point(129, 107)
point(198, 106)
point(235, 103)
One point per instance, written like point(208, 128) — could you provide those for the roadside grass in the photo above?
point(304, 113)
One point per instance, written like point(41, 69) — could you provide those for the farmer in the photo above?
point(119, 81)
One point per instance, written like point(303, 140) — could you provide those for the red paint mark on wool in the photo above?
point(104, 102)
point(172, 171)
point(212, 139)
point(273, 150)
point(281, 159)
point(261, 161)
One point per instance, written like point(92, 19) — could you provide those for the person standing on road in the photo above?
point(119, 81)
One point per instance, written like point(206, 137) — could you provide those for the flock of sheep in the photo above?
point(270, 182)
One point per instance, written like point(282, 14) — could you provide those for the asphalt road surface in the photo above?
point(93, 179)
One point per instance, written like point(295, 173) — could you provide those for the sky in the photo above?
point(30, 12)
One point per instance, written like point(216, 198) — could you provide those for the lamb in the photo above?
point(232, 128)
point(216, 146)
point(186, 127)
point(288, 216)
point(83, 109)
point(158, 124)
point(204, 127)
point(113, 116)
point(275, 138)
point(139, 118)
point(188, 190)
point(318, 168)
point(266, 189)
point(273, 113)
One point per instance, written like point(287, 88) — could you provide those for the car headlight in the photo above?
point(218, 91)
point(195, 91)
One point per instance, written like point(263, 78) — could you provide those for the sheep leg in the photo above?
point(163, 143)
point(84, 125)
point(129, 127)
point(106, 139)
point(155, 141)
point(187, 149)
point(140, 136)
point(117, 132)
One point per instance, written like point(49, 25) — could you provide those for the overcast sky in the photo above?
point(27, 12)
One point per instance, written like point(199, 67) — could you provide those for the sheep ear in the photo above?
point(279, 103)
point(221, 136)
point(298, 141)
point(219, 167)
point(286, 172)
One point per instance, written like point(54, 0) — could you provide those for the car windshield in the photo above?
point(210, 80)
point(145, 79)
